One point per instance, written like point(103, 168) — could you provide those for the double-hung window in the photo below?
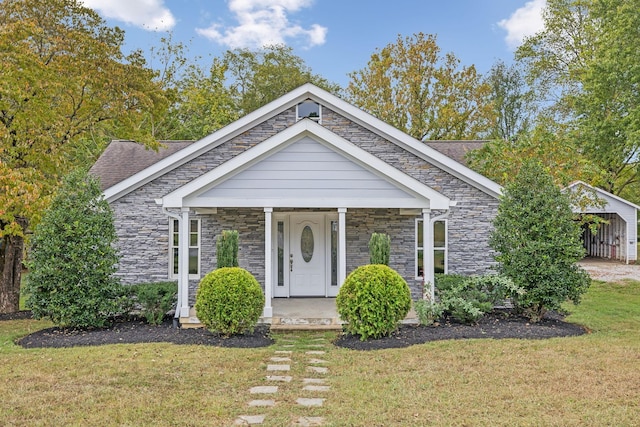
point(439, 247)
point(194, 248)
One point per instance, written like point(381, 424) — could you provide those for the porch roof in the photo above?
point(363, 180)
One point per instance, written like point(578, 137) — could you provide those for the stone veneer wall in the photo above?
point(143, 228)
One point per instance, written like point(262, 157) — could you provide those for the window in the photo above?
point(439, 248)
point(308, 109)
point(194, 247)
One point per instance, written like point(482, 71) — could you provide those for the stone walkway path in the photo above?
point(299, 364)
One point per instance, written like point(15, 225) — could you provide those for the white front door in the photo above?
point(307, 255)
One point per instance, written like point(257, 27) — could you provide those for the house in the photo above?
point(617, 237)
point(306, 180)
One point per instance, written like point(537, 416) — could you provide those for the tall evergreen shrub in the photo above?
point(227, 249)
point(73, 258)
point(379, 248)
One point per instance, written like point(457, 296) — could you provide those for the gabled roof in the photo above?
point(122, 159)
point(307, 91)
point(603, 194)
point(414, 193)
point(457, 150)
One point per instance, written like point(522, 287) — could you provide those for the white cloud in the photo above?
point(148, 14)
point(264, 22)
point(524, 22)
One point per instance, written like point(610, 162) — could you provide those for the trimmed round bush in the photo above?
point(229, 301)
point(373, 299)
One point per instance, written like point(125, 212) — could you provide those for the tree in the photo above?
point(73, 258)
point(538, 242)
point(584, 67)
point(64, 77)
point(510, 97)
point(257, 77)
point(411, 86)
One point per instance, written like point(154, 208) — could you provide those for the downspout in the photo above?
point(176, 316)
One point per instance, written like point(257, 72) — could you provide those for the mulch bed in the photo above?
point(496, 325)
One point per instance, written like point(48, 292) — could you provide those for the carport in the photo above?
point(617, 238)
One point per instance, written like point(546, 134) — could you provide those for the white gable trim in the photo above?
point(287, 101)
point(602, 193)
point(423, 196)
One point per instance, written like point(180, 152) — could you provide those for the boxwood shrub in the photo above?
point(229, 301)
point(372, 300)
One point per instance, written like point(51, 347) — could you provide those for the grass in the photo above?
point(580, 381)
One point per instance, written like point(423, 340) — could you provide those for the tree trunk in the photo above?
point(11, 253)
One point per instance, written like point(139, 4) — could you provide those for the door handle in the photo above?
point(290, 262)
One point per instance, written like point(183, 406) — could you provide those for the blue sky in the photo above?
point(334, 37)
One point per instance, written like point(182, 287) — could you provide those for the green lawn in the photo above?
point(581, 381)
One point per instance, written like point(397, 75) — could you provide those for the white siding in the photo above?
point(306, 169)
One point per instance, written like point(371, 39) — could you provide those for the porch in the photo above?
point(300, 314)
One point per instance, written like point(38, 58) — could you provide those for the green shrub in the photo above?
point(229, 301)
point(372, 300)
point(427, 311)
point(73, 258)
point(156, 299)
point(447, 281)
point(379, 248)
point(227, 249)
point(470, 299)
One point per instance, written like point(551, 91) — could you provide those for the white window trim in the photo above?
point(315, 119)
point(445, 248)
point(172, 274)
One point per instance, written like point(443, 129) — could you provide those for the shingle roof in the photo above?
point(122, 159)
point(457, 150)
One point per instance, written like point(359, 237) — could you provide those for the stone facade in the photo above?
point(143, 229)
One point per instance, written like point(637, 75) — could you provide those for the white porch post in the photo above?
point(427, 252)
point(342, 245)
point(183, 262)
point(268, 275)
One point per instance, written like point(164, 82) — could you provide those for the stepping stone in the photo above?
point(310, 402)
point(315, 352)
point(280, 359)
point(278, 368)
point(317, 369)
point(283, 352)
point(315, 345)
point(249, 420)
point(309, 421)
point(316, 388)
point(313, 381)
point(319, 339)
point(288, 345)
point(281, 378)
point(317, 361)
point(261, 403)
point(264, 389)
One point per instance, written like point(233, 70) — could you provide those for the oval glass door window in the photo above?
point(306, 243)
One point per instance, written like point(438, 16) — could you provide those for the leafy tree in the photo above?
point(538, 243)
point(257, 77)
point(411, 86)
point(73, 258)
point(584, 67)
point(510, 97)
point(64, 78)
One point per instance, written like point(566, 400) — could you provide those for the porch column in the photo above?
point(268, 274)
point(183, 262)
point(342, 245)
point(427, 252)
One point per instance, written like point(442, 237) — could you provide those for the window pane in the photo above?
point(308, 109)
point(175, 261)
point(175, 240)
point(280, 255)
point(438, 261)
point(420, 245)
point(439, 234)
point(420, 263)
point(193, 239)
point(193, 226)
point(334, 253)
point(193, 261)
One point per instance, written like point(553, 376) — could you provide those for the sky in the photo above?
point(334, 37)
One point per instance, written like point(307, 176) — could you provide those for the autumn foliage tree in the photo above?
point(63, 76)
point(412, 86)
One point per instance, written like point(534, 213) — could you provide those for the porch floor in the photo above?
point(302, 313)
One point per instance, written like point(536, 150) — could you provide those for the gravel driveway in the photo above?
point(610, 271)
